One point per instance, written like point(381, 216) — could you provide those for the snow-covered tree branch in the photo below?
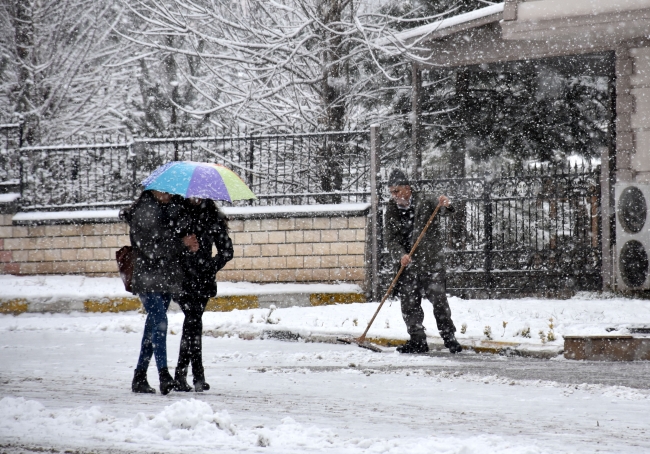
point(53, 74)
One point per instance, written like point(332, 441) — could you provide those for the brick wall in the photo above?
point(87, 249)
point(300, 249)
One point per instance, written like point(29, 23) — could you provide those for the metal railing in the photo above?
point(525, 230)
point(280, 168)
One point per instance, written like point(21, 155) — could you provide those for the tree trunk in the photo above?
point(24, 36)
point(332, 152)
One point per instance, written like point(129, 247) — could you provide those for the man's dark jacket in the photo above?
point(200, 268)
point(155, 231)
point(429, 256)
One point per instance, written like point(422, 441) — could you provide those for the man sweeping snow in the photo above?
point(424, 276)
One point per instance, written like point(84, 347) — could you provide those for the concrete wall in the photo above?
point(294, 249)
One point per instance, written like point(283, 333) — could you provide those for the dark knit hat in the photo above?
point(397, 178)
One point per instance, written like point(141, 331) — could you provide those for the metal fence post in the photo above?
point(21, 130)
point(416, 114)
point(487, 201)
point(374, 208)
point(134, 162)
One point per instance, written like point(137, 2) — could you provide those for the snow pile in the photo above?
point(193, 425)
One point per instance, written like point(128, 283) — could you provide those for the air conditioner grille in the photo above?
point(633, 263)
point(632, 209)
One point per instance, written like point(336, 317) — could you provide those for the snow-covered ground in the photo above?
point(65, 384)
point(70, 390)
point(527, 321)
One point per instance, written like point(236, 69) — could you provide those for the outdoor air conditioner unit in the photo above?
point(632, 236)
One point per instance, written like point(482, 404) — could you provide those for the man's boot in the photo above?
point(451, 343)
point(417, 344)
point(167, 383)
point(199, 380)
point(140, 384)
point(180, 377)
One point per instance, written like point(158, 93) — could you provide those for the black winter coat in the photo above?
point(430, 253)
point(155, 231)
point(200, 268)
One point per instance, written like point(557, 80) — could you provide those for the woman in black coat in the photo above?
point(199, 284)
point(156, 222)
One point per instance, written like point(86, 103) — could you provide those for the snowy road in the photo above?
point(71, 390)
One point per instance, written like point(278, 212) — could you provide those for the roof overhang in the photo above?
point(445, 27)
point(527, 30)
point(593, 22)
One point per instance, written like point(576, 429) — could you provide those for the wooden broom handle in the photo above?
point(399, 273)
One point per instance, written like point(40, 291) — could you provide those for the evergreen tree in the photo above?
point(517, 111)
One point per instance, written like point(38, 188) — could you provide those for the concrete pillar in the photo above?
point(625, 144)
point(640, 119)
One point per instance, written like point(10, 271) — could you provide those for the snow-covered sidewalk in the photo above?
point(56, 289)
point(535, 323)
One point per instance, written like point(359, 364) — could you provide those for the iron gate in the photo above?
point(523, 231)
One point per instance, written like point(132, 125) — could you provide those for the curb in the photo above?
point(217, 304)
point(435, 343)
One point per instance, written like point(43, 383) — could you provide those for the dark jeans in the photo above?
point(415, 284)
point(154, 339)
point(191, 350)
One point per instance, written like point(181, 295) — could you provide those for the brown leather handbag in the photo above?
point(125, 263)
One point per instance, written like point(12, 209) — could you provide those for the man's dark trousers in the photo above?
point(415, 284)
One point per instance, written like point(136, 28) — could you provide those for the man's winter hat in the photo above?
point(397, 178)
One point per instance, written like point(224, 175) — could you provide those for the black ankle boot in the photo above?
point(199, 380)
point(452, 344)
point(140, 384)
point(180, 376)
point(417, 344)
point(167, 383)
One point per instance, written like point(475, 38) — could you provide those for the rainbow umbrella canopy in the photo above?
point(198, 179)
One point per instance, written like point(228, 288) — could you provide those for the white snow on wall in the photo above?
point(10, 197)
point(60, 215)
point(229, 211)
point(296, 209)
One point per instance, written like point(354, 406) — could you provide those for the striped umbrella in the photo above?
point(198, 179)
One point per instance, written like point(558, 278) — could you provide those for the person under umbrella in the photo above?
point(200, 184)
point(156, 220)
point(210, 226)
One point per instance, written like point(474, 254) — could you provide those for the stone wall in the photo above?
point(87, 249)
point(303, 248)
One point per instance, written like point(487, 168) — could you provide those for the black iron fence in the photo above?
point(279, 168)
point(10, 141)
point(525, 231)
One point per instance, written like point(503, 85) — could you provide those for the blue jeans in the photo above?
point(154, 339)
